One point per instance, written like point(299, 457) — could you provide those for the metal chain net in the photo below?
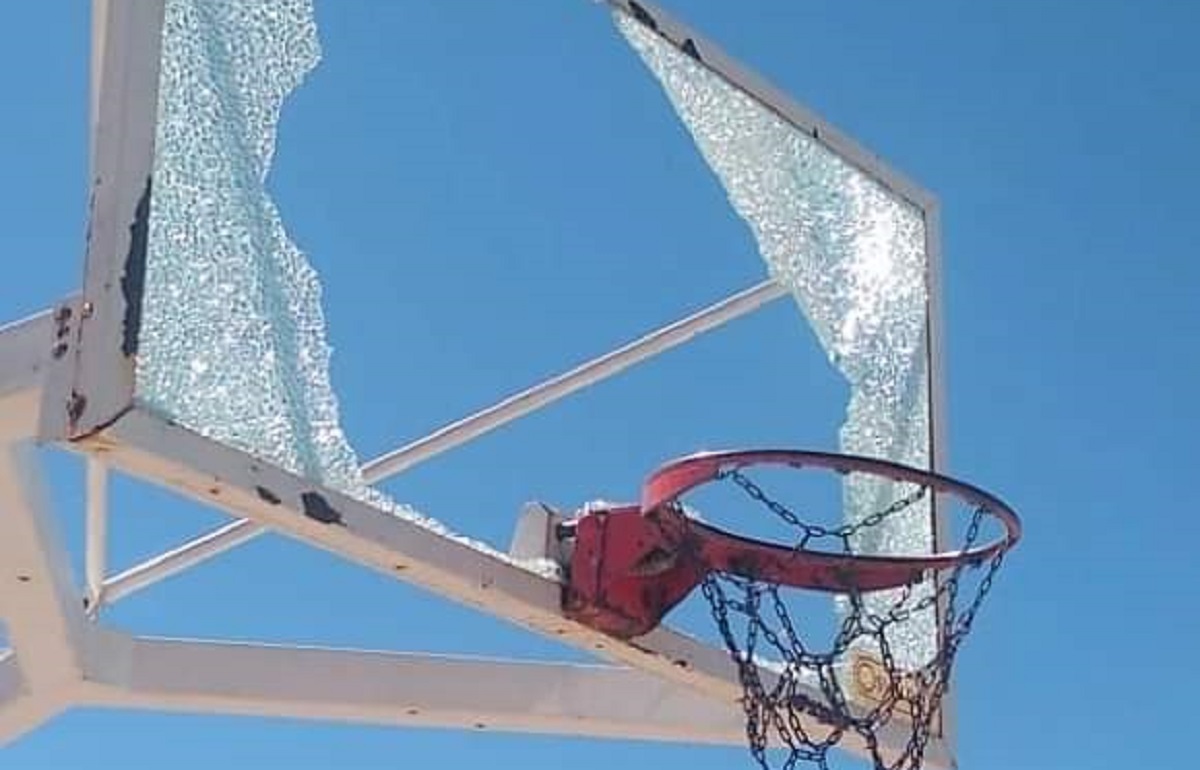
point(800, 701)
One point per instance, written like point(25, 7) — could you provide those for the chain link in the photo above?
point(846, 531)
point(804, 694)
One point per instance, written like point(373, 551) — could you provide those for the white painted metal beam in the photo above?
point(589, 373)
point(19, 415)
point(96, 70)
point(25, 714)
point(410, 690)
point(179, 559)
point(26, 348)
point(20, 711)
point(97, 371)
point(41, 614)
point(38, 602)
point(96, 532)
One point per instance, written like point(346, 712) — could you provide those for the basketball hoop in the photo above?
point(630, 565)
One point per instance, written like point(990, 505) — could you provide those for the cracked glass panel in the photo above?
point(853, 255)
point(233, 343)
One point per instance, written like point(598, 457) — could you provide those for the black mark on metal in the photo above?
point(133, 280)
point(62, 322)
point(642, 15)
point(689, 47)
point(565, 530)
point(267, 495)
point(62, 330)
point(76, 404)
point(319, 509)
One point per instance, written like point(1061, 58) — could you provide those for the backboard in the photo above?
point(197, 358)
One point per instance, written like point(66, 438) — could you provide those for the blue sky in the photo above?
point(495, 191)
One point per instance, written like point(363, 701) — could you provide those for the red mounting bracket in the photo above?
point(628, 569)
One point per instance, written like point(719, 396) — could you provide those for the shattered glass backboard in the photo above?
point(233, 337)
point(233, 343)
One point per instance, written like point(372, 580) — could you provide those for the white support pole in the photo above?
point(20, 710)
point(26, 349)
point(593, 371)
point(179, 559)
point(38, 601)
point(96, 535)
point(408, 690)
point(98, 371)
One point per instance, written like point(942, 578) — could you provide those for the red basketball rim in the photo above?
point(674, 479)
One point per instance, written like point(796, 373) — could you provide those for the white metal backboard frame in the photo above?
point(68, 379)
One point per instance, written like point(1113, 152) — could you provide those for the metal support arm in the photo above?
point(412, 690)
